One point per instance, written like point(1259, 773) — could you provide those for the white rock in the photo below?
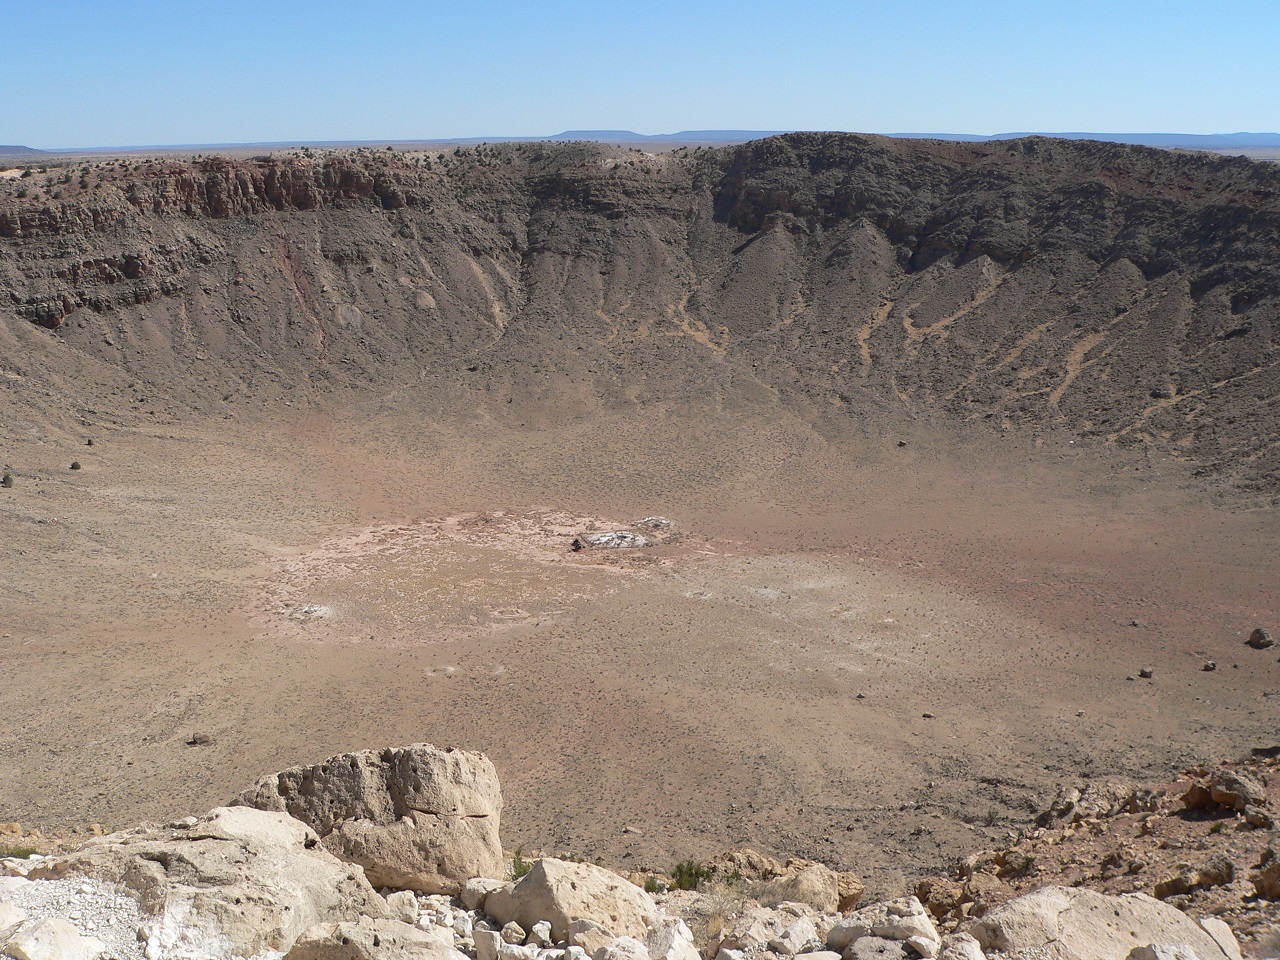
point(487, 943)
point(463, 926)
point(403, 906)
point(477, 889)
point(588, 935)
point(795, 938)
point(623, 948)
point(893, 920)
point(1222, 936)
point(10, 916)
point(924, 946)
point(51, 940)
point(512, 932)
point(540, 934)
point(417, 817)
point(561, 892)
point(370, 939)
point(1084, 925)
point(960, 946)
point(671, 939)
point(1163, 951)
point(239, 882)
point(517, 951)
point(727, 954)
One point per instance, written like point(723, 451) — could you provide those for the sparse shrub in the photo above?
point(6, 480)
point(687, 874)
point(654, 885)
point(1218, 827)
point(992, 817)
point(75, 464)
point(19, 851)
point(519, 865)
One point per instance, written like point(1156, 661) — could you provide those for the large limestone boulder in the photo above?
point(561, 893)
point(370, 939)
point(235, 881)
point(1076, 924)
point(414, 818)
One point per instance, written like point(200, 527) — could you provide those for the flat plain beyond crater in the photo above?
point(884, 656)
point(953, 439)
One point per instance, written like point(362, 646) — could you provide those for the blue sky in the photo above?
point(178, 72)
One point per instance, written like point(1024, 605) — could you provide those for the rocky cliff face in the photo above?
point(1123, 294)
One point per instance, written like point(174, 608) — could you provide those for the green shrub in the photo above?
point(687, 874)
point(6, 480)
point(654, 885)
point(519, 865)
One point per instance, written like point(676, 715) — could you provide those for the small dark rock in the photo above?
point(1260, 639)
point(75, 464)
point(902, 443)
point(1209, 666)
point(200, 740)
point(1146, 673)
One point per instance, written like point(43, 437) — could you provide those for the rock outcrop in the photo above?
point(414, 818)
point(235, 881)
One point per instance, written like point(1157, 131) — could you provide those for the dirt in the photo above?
point(927, 517)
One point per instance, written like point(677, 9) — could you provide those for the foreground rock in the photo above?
point(560, 893)
point(369, 939)
point(234, 882)
point(1075, 924)
point(414, 818)
point(49, 940)
point(904, 920)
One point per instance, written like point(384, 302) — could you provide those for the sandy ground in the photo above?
point(881, 656)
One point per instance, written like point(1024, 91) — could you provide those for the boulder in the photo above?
point(487, 942)
point(1260, 638)
point(800, 934)
point(849, 890)
point(905, 919)
point(815, 885)
point(1163, 951)
point(370, 939)
point(1076, 924)
point(476, 890)
point(236, 881)
point(623, 948)
point(403, 905)
point(940, 895)
point(561, 892)
point(671, 939)
point(1218, 871)
point(1236, 790)
point(414, 818)
point(1266, 882)
point(588, 935)
point(960, 946)
point(10, 916)
point(54, 939)
point(876, 948)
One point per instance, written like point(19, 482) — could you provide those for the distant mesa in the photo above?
point(10, 151)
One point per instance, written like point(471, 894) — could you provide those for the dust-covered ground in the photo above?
point(881, 656)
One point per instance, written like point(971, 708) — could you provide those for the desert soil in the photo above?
point(877, 655)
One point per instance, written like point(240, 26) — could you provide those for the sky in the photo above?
point(138, 72)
